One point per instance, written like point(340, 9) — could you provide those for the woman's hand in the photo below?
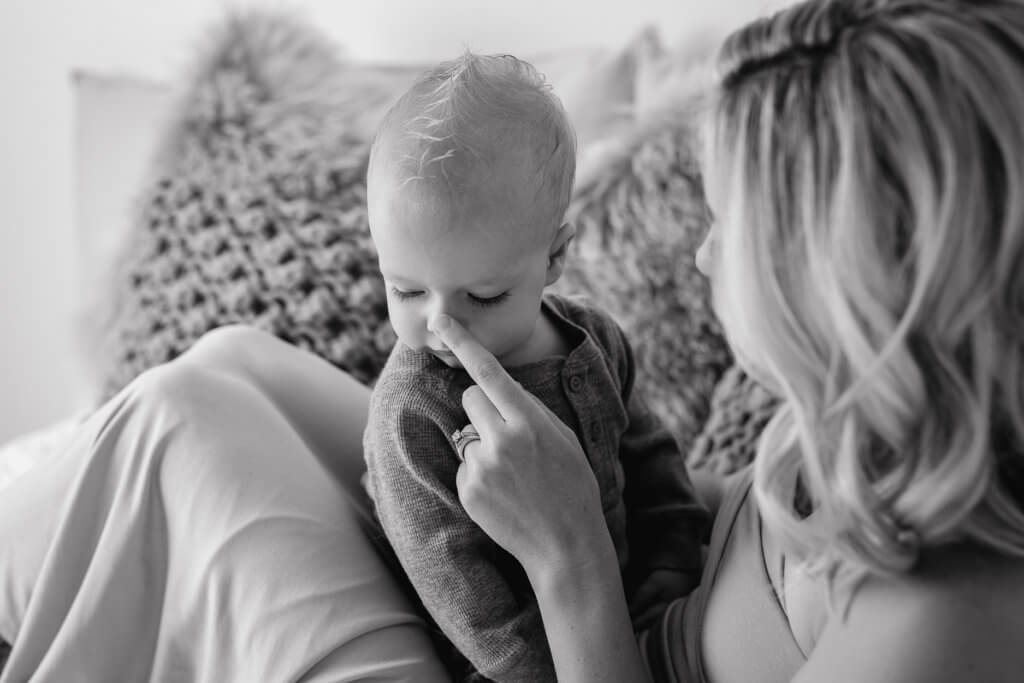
point(526, 482)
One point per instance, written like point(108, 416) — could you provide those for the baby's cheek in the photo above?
point(510, 330)
point(407, 329)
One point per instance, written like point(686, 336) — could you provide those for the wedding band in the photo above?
point(463, 437)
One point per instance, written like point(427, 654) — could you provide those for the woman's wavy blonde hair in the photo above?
point(866, 162)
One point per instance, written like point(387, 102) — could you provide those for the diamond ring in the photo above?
point(463, 437)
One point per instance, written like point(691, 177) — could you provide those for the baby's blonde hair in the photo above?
point(465, 117)
point(868, 162)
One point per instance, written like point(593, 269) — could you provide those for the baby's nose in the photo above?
point(438, 308)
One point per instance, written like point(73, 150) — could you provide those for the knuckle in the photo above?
point(519, 431)
point(471, 451)
point(473, 400)
point(518, 439)
point(468, 496)
point(489, 370)
point(472, 490)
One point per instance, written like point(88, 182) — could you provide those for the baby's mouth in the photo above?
point(445, 356)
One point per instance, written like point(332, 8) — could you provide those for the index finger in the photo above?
point(504, 392)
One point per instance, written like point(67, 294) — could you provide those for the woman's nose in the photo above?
point(705, 256)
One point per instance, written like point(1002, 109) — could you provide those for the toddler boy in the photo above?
point(468, 184)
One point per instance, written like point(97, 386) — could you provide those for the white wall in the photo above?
point(43, 41)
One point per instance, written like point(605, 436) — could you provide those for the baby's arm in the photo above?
point(464, 580)
point(666, 522)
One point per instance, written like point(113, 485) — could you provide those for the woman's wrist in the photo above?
point(583, 605)
point(585, 559)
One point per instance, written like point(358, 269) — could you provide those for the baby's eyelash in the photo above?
point(402, 295)
point(488, 301)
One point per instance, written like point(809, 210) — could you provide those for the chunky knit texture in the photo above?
point(255, 212)
point(740, 409)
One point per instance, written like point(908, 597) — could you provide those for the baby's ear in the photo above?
point(559, 251)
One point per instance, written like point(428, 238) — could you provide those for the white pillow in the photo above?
point(24, 452)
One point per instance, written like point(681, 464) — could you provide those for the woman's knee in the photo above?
point(180, 386)
point(225, 348)
point(202, 424)
point(173, 382)
point(216, 355)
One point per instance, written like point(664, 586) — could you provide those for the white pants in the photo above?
point(189, 534)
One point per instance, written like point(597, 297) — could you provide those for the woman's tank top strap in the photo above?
point(731, 629)
point(672, 646)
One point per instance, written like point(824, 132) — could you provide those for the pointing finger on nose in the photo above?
point(504, 393)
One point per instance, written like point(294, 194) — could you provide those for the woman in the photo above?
point(865, 162)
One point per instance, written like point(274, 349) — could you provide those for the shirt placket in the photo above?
point(577, 385)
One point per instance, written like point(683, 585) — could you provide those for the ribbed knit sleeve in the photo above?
point(665, 522)
point(475, 592)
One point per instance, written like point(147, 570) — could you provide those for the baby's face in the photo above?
point(483, 266)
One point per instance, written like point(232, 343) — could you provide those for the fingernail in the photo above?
point(442, 323)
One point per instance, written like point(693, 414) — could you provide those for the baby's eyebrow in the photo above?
point(394, 277)
point(501, 280)
point(489, 281)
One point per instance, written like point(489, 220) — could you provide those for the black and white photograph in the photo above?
point(669, 341)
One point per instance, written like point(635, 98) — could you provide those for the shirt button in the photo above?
point(595, 432)
point(575, 383)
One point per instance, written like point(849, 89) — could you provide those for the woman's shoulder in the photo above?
point(959, 616)
point(960, 592)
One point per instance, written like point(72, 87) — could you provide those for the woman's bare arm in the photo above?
point(960, 617)
point(586, 618)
